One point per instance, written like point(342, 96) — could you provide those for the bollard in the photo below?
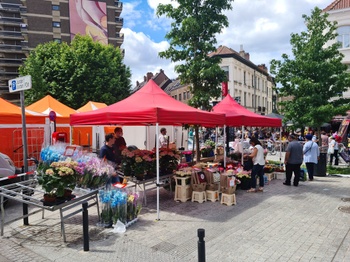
point(85, 226)
point(201, 245)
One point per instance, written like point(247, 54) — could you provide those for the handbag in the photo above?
point(330, 150)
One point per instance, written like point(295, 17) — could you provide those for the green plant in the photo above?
point(332, 170)
point(60, 176)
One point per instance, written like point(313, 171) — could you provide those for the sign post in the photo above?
point(15, 85)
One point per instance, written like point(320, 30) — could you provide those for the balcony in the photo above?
point(10, 47)
point(119, 8)
point(10, 35)
point(120, 38)
point(23, 10)
point(9, 7)
point(10, 62)
point(10, 21)
point(119, 22)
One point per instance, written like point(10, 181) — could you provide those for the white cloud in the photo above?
point(263, 27)
point(141, 55)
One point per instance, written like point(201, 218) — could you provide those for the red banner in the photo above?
point(224, 88)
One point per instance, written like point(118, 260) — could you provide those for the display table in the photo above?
point(148, 184)
point(27, 193)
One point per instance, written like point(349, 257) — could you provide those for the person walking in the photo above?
point(311, 155)
point(333, 148)
point(293, 160)
point(258, 158)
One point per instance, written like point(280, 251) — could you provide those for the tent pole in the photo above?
point(157, 156)
point(225, 145)
point(242, 137)
point(280, 146)
point(216, 142)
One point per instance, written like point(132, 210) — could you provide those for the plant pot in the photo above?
point(67, 193)
point(50, 198)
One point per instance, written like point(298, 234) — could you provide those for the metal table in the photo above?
point(148, 184)
point(27, 193)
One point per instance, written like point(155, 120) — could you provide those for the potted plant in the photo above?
point(207, 149)
point(59, 177)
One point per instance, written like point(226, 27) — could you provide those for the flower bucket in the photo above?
point(188, 158)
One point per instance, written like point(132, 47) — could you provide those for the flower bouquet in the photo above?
point(244, 178)
point(168, 160)
point(207, 149)
point(138, 162)
point(93, 172)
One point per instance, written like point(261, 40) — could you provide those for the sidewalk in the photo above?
point(283, 223)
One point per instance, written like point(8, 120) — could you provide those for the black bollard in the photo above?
point(86, 226)
point(201, 245)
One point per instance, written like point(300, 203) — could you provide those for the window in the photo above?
point(55, 7)
point(56, 24)
point(226, 69)
point(188, 95)
point(244, 77)
point(175, 97)
point(184, 95)
point(245, 99)
point(343, 36)
point(57, 40)
point(180, 97)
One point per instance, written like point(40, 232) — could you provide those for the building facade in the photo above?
point(249, 84)
point(26, 23)
point(339, 11)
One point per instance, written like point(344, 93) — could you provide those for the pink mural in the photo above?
point(88, 18)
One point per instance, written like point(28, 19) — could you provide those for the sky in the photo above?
point(261, 27)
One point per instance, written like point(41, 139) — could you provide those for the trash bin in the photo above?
point(321, 166)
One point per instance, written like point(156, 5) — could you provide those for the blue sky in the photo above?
point(262, 27)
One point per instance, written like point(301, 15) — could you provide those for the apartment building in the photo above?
point(26, 23)
point(339, 11)
point(249, 84)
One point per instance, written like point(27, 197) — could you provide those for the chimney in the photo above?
point(137, 83)
point(149, 76)
point(263, 67)
point(246, 56)
point(144, 79)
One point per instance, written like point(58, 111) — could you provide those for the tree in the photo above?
point(315, 78)
point(77, 73)
point(192, 37)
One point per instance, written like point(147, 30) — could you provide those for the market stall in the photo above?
point(149, 106)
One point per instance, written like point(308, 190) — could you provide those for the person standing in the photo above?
point(293, 160)
point(107, 153)
point(119, 144)
point(163, 138)
point(258, 158)
point(334, 144)
point(311, 155)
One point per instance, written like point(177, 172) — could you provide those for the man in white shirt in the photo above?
point(163, 138)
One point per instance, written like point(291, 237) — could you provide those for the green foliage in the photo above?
point(333, 170)
point(77, 73)
point(314, 75)
point(194, 26)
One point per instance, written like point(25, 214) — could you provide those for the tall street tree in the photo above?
point(76, 73)
point(194, 26)
point(314, 78)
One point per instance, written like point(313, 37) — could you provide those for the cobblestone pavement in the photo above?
point(310, 222)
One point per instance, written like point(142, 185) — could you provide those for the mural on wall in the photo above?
point(89, 18)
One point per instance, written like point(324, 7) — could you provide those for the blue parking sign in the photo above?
point(13, 85)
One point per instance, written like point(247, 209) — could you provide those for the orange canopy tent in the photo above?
point(89, 106)
point(12, 114)
point(83, 135)
point(11, 131)
point(47, 104)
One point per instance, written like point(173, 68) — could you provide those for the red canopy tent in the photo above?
point(237, 115)
point(148, 106)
